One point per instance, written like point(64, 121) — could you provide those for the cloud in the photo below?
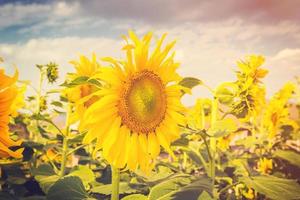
point(176, 11)
point(211, 37)
point(205, 50)
point(55, 14)
point(66, 9)
point(284, 66)
point(19, 14)
point(59, 50)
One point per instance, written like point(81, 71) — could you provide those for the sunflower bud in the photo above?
point(43, 103)
point(52, 72)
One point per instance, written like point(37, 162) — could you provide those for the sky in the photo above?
point(211, 35)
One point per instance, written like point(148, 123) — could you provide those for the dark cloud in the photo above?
point(2, 2)
point(180, 11)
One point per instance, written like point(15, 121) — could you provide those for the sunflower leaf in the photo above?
point(290, 156)
point(45, 176)
point(124, 188)
point(135, 197)
point(190, 82)
point(165, 189)
point(194, 190)
point(84, 173)
point(68, 188)
point(273, 187)
point(222, 128)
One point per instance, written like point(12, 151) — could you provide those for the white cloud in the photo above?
point(18, 14)
point(206, 50)
point(284, 66)
point(13, 14)
point(60, 50)
point(66, 9)
point(288, 56)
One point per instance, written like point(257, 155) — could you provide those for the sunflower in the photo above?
point(139, 108)
point(265, 165)
point(81, 94)
point(277, 112)
point(8, 98)
point(251, 90)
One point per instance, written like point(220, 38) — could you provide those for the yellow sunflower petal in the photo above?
point(153, 145)
point(132, 153)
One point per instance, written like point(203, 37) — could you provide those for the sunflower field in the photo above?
point(116, 129)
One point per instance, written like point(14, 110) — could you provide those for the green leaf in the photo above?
point(43, 132)
point(95, 82)
point(241, 167)
point(76, 81)
point(76, 139)
point(183, 141)
point(124, 188)
point(226, 92)
point(273, 187)
point(195, 157)
point(161, 174)
point(205, 196)
point(15, 175)
point(84, 173)
point(68, 188)
point(45, 176)
point(135, 197)
point(164, 190)
point(194, 189)
point(290, 156)
point(222, 128)
point(190, 82)
point(57, 103)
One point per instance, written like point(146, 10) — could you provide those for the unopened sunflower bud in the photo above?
point(43, 103)
point(52, 72)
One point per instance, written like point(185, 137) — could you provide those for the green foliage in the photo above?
point(205, 196)
point(46, 176)
point(165, 189)
point(290, 156)
point(222, 128)
point(273, 187)
point(226, 92)
point(124, 188)
point(68, 188)
point(190, 82)
point(135, 197)
point(195, 190)
point(84, 173)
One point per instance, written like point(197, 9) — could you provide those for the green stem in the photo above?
point(213, 148)
point(213, 174)
point(64, 156)
point(65, 142)
point(115, 179)
point(228, 187)
point(79, 147)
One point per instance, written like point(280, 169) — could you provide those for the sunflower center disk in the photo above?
point(143, 103)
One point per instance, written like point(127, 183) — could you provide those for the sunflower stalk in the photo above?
point(38, 100)
point(65, 143)
point(64, 157)
point(32, 135)
point(213, 148)
point(115, 178)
